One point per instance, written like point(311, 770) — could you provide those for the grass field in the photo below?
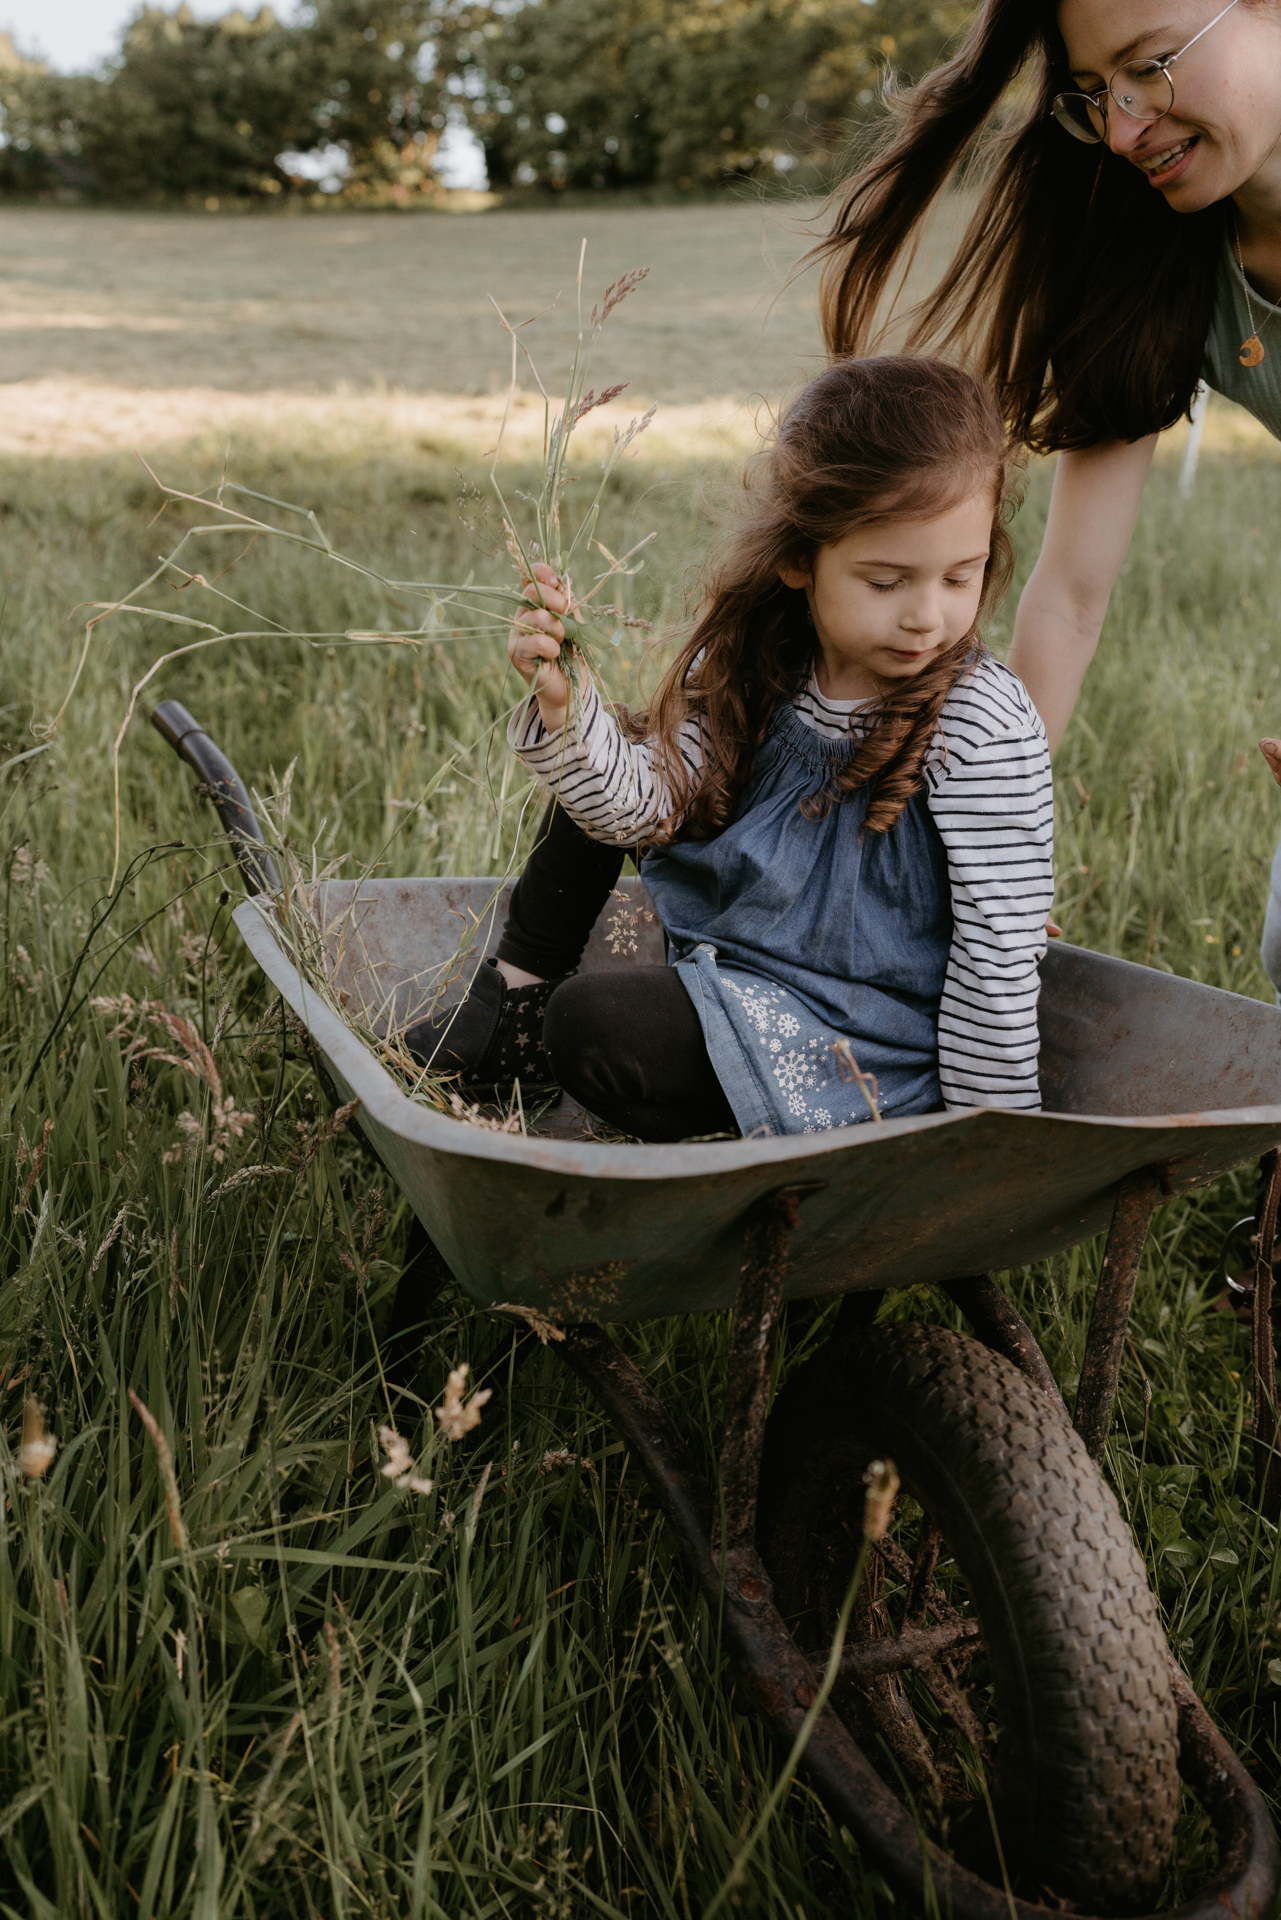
point(274, 1685)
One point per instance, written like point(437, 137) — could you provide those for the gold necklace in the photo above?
point(1251, 348)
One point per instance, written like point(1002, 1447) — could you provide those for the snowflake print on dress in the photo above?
point(754, 1006)
point(793, 1072)
point(758, 1003)
point(801, 1070)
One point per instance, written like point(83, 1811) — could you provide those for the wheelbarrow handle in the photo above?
point(227, 791)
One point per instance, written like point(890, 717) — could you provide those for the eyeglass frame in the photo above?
point(1097, 100)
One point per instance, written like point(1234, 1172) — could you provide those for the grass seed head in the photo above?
point(882, 1483)
point(399, 1466)
point(164, 1460)
point(455, 1417)
point(536, 1322)
point(112, 1235)
point(616, 293)
point(33, 1158)
point(35, 1455)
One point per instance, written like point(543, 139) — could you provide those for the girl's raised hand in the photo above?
point(1271, 751)
point(534, 643)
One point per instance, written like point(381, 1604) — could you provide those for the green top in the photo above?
point(1257, 389)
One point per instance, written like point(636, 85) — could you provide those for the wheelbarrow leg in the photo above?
point(1105, 1341)
point(756, 1311)
point(421, 1282)
point(993, 1317)
point(1267, 1467)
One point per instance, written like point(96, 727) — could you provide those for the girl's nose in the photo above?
point(924, 615)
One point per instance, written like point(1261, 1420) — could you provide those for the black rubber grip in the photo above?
point(227, 791)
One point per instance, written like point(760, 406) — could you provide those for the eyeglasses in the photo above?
point(1142, 89)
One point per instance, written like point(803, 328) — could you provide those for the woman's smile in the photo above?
point(1169, 164)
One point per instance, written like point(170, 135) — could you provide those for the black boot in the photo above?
point(492, 1037)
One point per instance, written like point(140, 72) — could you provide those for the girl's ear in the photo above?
point(794, 576)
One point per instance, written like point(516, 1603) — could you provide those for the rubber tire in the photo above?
point(1086, 1775)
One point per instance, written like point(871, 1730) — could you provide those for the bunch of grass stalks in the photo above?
point(258, 1677)
point(534, 527)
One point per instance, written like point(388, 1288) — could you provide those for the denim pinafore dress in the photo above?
point(793, 936)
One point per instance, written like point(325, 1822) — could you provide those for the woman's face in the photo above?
point(1226, 117)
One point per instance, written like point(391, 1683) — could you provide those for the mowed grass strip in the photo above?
point(501, 1697)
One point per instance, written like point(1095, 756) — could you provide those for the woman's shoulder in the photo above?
point(988, 705)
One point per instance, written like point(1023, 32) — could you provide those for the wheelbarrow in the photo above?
point(1004, 1728)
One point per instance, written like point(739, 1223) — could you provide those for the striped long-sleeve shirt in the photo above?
point(989, 792)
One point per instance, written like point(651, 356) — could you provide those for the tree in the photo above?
point(678, 92)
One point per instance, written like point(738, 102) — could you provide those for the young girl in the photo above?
point(839, 802)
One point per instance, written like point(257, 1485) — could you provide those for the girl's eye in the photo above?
point(883, 586)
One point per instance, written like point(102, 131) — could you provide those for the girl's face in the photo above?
point(1226, 117)
point(888, 600)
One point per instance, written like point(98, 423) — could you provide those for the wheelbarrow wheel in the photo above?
point(1035, 1699)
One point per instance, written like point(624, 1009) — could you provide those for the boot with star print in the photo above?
point(493, 1037)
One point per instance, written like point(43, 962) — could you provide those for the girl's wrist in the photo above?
point(552, 716)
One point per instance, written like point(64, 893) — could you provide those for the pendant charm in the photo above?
point(1251, 351)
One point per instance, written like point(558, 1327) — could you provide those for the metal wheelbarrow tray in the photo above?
point(1151, 1085)
point(1139, 1069)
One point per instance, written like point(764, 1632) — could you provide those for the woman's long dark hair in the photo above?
point(870, 441)
point(1076, 290)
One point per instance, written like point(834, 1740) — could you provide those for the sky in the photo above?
point(75, 36)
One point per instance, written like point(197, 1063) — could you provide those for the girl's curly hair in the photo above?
point(870, 441)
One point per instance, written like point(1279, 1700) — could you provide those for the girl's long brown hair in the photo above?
point(1076, 290)
point(869, 441)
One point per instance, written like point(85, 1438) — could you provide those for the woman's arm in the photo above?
point(1093, 509)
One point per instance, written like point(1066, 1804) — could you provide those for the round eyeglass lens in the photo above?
point(1081, 117)
point(1144, 90)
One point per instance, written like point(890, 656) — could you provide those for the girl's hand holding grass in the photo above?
point(534, 645)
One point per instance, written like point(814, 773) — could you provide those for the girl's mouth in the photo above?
point(1162, 167)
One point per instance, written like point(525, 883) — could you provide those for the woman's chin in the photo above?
point(1197, 184)
point(1192, 196)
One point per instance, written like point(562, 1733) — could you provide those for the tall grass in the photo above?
point(282, 1685)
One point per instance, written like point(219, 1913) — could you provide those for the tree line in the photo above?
point(594, 94)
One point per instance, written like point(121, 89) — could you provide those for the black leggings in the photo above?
point(627, 1044)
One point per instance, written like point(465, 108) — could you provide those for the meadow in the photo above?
point(241, 1672)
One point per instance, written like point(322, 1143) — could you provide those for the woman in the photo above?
point(1127, 244)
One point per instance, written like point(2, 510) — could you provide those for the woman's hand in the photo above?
point(1271, 751)
point(534, 643)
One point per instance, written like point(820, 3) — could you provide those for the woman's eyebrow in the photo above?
point(1122, 54)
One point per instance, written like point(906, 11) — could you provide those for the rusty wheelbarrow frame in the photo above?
point(1152, 1086)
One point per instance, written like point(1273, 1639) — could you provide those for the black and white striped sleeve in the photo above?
point(992, 799)
point(617, 791)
